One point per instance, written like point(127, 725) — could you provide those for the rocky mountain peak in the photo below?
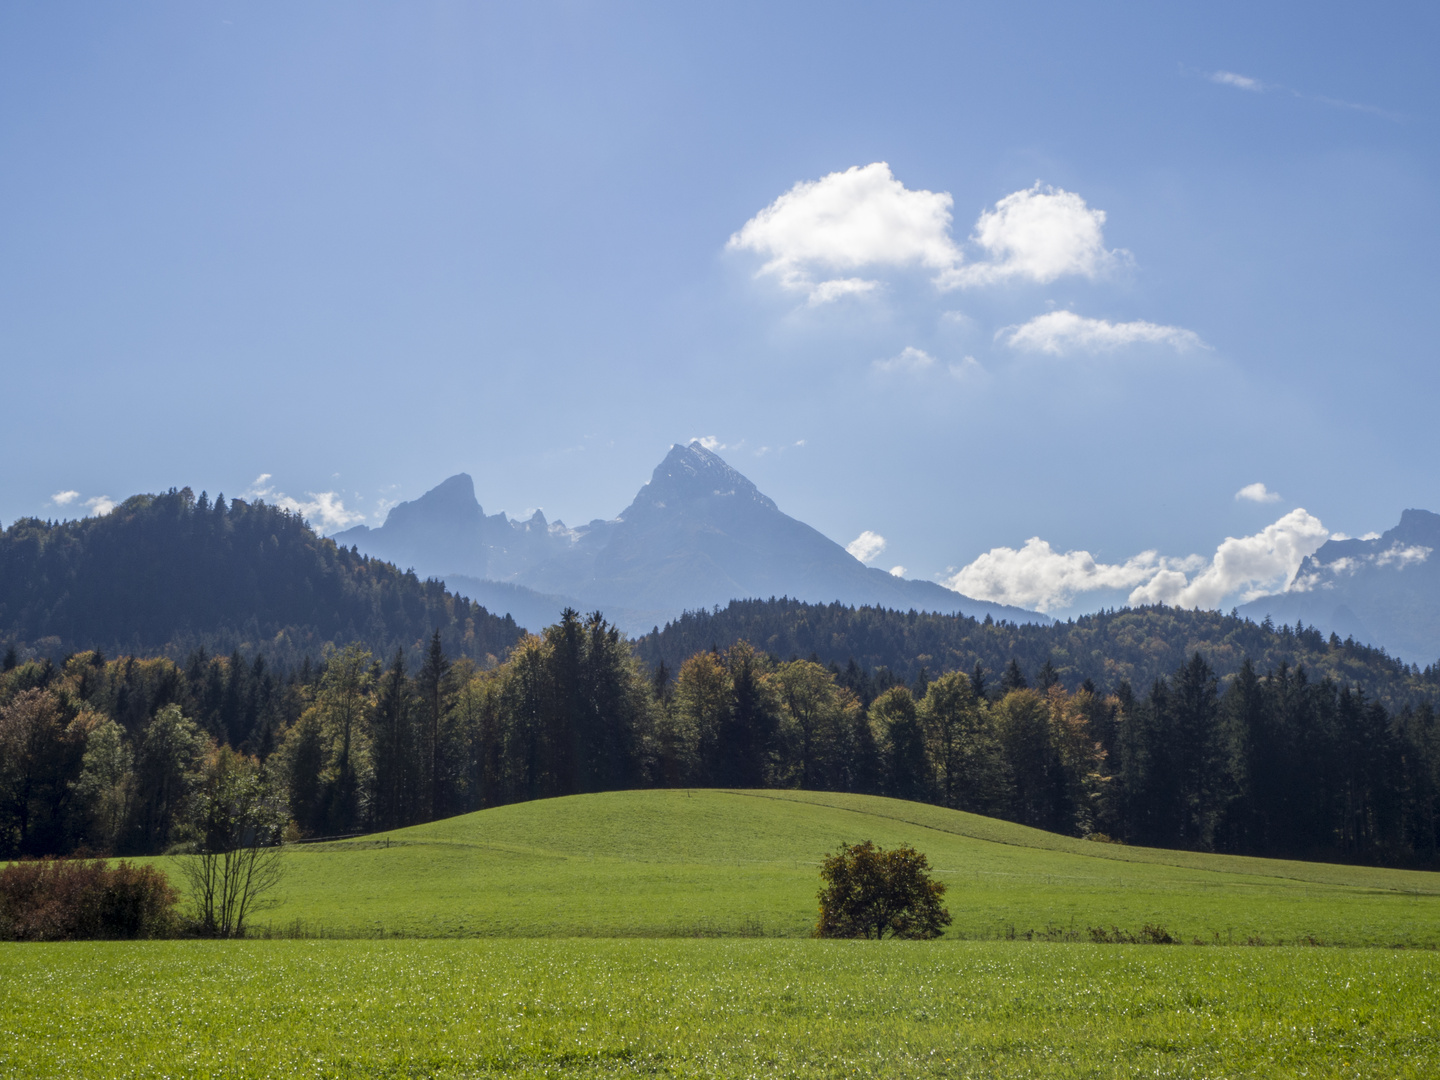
point(452, 501)
point(690, 474)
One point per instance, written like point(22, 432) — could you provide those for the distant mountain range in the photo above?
point(1383, 591)
point(697, 535)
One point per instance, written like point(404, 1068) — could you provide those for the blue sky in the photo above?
point(361, 247)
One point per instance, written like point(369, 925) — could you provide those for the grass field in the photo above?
point(676, 863)
point(564, 959)
point(713, 1008)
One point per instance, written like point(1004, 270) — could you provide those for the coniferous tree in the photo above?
point(977, 681)
point(750, 726)
point(397, 775)
point(432, 699)
point(1013, 678)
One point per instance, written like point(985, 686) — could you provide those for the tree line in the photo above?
point(1134, 644)
point(108, 755)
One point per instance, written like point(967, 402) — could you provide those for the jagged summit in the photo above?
point(690, 473)
point(454, 499)
point(697, 534)
point(1380, 591)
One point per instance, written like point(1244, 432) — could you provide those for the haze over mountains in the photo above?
point(696, 535)
point(1383, 591)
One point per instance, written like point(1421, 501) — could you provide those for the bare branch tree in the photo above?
point(237, 857)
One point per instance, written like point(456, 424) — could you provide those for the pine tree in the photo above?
point(394, 742)
point(1013, 678)
point(977, 681)
point(432, 694)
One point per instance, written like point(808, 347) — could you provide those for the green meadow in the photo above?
point(729, 863)
point(622, 1008)
point(663, 933)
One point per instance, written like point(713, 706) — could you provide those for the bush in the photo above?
point(69, 900)
point(870, 892)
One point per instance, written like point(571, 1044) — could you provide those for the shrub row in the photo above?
point(72, 899)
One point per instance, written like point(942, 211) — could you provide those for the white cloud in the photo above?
point(909, 359)
point(1061, 332)
point(827, 291)
point(64, 498)
point(1401, 556)
point(862, 217)
point(1036, 576)
point(100, 505)
point(1039, 234)
point(867, 546)
point(1257, 493)
point(709, 442)
point(897, 571)
point(324, 510)
point(820, 233)
point(1252, 566)
point(1240, 82)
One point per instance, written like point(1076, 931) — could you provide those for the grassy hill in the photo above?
point(744, 863)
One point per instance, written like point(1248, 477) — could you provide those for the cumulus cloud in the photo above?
point(867, 546)
point(897, 571)
point(1039, 577)
point(1062, 332)
point(909, 359)
point(823, 237)
point(1252, 566)
point(1240, 82)
point(1257, 493)
point(709, 442)
point(64, 498)
point(1039, 234)
point(324, 510)
point(862, 217)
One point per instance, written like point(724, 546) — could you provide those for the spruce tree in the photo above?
point(1013, 678)
point(432, 693)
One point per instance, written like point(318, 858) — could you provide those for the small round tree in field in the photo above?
point(869, 892)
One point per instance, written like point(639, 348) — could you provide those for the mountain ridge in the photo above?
point(697, 534)
point(1381, 591)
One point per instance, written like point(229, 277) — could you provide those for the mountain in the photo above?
point(170, 573)
point(696, 535)
point(1138, 645)
point(1383, 591)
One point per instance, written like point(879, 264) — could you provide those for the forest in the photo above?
point(165, 575)
point(1138, 645)
point(103, 755)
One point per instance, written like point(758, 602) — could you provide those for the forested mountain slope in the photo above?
point(166, 574)
point(1134, 644)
